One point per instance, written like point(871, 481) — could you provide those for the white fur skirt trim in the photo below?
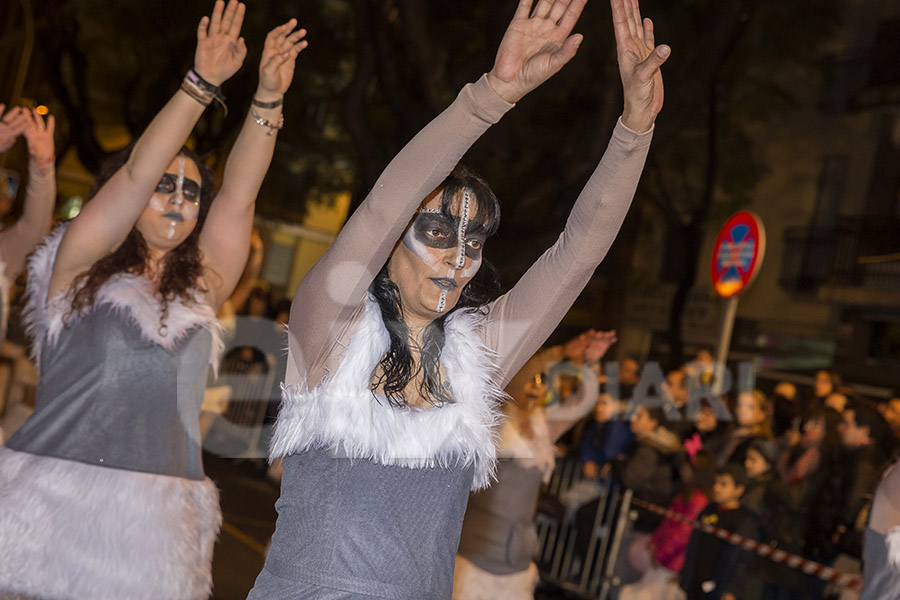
point(70, 530)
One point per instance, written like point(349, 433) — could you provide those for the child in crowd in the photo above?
point(713, 568)
point(759, 462)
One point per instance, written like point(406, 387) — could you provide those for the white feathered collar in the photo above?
point(341, 414)
point(130, 295)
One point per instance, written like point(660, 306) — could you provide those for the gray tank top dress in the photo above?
point(373, 496)
point(102, 490)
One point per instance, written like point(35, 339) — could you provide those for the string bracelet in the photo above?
point(202, 91)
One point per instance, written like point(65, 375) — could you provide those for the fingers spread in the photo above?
point(571, 15)
point(227, 17)
point(542, 9)
point(523, 9)
point(648, 34)
point(234, 30)
point(202, 28)
point(620, 19)
point(215, 22)
point(557, 10)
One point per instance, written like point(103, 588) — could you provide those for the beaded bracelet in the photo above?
point(273, 127)
point(272, 104)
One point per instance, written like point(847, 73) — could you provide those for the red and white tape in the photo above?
point(810, 567)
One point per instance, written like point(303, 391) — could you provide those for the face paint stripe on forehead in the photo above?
point(179, 183)
point(461, 233)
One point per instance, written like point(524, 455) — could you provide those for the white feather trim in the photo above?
point(340, 413)
point(130, 295)
point(69, 530)
point(892, 539)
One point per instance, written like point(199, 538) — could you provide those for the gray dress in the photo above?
point(102, 491)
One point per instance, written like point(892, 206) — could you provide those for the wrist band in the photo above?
point(273, 127)
point(46, 162)
point(202, 91)
point(273, 104)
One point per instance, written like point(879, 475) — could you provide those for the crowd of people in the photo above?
point(795, 467)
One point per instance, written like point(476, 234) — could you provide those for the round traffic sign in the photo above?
point(737, 254)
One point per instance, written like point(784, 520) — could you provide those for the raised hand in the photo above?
point(535, 46)
point(220, 49)
point(39, 136)
point(276, 68)
point(12, 124)
point(598, 344)
point(639, 63)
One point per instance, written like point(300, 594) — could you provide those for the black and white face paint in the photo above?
point(447, 249)
point(176, 197)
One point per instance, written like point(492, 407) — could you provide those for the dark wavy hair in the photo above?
point(398, 367)
point(182, 266)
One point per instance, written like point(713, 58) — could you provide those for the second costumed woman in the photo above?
point(102, 491)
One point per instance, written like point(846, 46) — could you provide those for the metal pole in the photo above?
point(725, 330)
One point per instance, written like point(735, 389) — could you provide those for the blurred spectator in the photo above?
point(801, 470)
point(810, 449)
point(890, 410)
point(675, 396)
point(713, 568)
point(667, 547)
point(652, 467)
point(606, 436)
point(759, 465)
point(837, 401)
point(629, 377)
point(752, 421)
point(834, 523)
point(825, 384)
point(708, 434)
point(785, 409)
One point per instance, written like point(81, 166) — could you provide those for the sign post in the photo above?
point(736, 259)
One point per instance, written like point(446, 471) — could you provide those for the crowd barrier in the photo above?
point(581, 529)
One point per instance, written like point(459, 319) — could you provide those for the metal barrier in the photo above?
point(579, 544)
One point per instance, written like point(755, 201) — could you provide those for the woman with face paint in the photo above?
point(102, 491)
point(398, 355)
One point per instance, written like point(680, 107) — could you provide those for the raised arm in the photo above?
point(40, 195)
point(225, 239)
point(106, 220)
point(523, 318)
point(535, 46)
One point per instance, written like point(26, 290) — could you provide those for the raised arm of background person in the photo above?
point(106, 220)
point(18, 241)
point(225, 239)
point(535, 46)
point(524, 317)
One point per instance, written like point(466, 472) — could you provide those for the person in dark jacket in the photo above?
point(713, 568)
point(849, 487)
